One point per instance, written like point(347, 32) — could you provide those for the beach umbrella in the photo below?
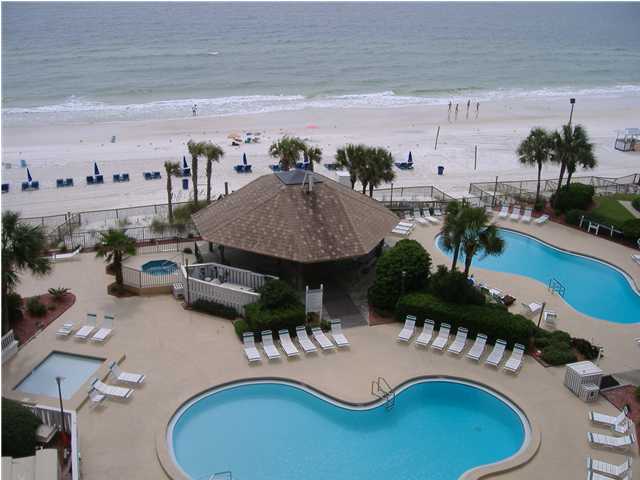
point(244, 158)
point(95, 169)
point(29, 175)
point(184, 162)
point(410, 160)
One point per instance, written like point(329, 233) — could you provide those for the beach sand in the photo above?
point(69, 150)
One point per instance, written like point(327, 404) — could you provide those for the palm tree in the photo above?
point(535, 150)
point(379, 168)
point(480, 236)
point(23, 248)
point(288, 150)
point(351, 157)
point(213, 153)
point(172, 169)
point(570, 148)
point(583, 152)
point(452, 231)
point(113, 246)
point(196, 149)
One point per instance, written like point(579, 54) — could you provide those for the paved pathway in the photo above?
point(627, 204)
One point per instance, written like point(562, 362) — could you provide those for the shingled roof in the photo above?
point(277, 216)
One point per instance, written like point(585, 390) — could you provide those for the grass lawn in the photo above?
point(609, 208)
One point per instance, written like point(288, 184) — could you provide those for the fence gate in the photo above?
point(313, 301)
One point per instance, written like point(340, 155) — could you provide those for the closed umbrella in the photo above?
point(29, 176)
point(244, 158)
point(95, 169)
point(184, 162)
point(410, 160)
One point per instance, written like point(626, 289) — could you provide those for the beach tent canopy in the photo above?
point(184, 162)
point(410, 159)
point(278, 215)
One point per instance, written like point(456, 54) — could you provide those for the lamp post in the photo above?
point(572, 101)
point(59, 380)
point(404, 275)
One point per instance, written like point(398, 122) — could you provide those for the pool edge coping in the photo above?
point(524, 455)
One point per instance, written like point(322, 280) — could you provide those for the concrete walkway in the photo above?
point(627, 204)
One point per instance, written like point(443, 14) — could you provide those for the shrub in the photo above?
point(277, 294)
point(573, 216)
point(259, 318)
point(182, 214)
point(631, 229)
point(574, 196)
point(589, 351)
point(556, 355)
point(58, 293)
point(539, 205)
point(187, 250)
point(158, 225)
point(638, 393)
point(240, 326)
point(214, 308)
point(408, 256)
point(14, 306)
point(19, 427)
point(454, 287)
point(492, 320)
point(635, 203)
point(36, 308)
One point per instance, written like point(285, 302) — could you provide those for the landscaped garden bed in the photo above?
point(34, 320)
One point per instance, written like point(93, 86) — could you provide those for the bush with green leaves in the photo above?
point(493, 320)
point(573, 216)
point(539, 205)
point(631, 229)
point(19, 427)
point(36, 308)
point(558, 355)
point(182, 213)
point(454, 287)
point(58, 293)
point(405, 256)
point(586, 349)
point(214, 308)
point(635, 203)
point(575, 196)
point(277, 294)
point(14, 306)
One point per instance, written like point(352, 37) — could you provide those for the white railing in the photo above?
point(51, 416)
point(9, 346)
point(226, 274)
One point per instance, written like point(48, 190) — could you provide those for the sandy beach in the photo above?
point(69, 150)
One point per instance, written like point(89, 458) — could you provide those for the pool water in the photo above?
point(76, 369)
point(265, 431)
point(159, 267)
point(592, 287)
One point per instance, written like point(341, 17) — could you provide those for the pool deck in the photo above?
point(183, 353)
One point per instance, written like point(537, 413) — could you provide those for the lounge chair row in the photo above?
point(524, 215)
point(596, 469)
point(90, 330)
point(151, 175)
point(440, 342)
point(403, 228)
point(287, 344)
point(621, 424)
point(424, 217)
point(99, 390)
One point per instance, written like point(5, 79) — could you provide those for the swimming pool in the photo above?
point(593, 287)
point(263, 430)
point(76, 369)
point(159, 267)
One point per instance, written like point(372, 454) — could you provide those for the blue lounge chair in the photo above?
point(186, 172)
point(275, 167)
point(68, 182)
point(124, 177)
point(239, 168)
point(60, 182)
point(25, 186)
point(116, 178)
point(148, 176)
point(247, 169)
point(35, 185)
point(156, 175)
point(99, 179)
point(5, 188)
point(90, 180)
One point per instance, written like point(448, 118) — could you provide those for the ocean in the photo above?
point(113, 61)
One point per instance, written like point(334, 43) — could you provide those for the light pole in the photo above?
point(572, 101)
point(58, 381)
point(404, 275)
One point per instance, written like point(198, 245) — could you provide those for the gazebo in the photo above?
point(297, 216)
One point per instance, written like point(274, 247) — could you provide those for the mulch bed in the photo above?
point(625, 395)
point(377, 318)
point(25, 329)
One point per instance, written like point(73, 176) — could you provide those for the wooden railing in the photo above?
point(9, 346)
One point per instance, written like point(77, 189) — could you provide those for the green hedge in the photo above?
point(635, 203)
point(36, 308)
point(631, 229)
point(454, 287)
point(214, 308)
point(258, 318)
point(575, 196)
point(19, 427)
point(493, 320)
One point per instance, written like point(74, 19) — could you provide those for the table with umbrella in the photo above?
point(97, 178)
point(30, 184)
point(244, 167)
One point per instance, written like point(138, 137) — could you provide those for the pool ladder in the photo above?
point(380, 388)
point(556, 286)
point(220, 476)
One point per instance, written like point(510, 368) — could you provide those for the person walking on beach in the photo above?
point(477, 109)
point(468, 105)
point(194, 110)
point(457, 105)
point(449, 112)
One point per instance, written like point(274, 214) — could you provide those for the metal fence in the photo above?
point(133, 277)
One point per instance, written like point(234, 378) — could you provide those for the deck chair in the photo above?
point(608, 441)
point(532, 308)
point(504, 211)
point(615, 471)
point(110, 390)
point(58, 257)
point(407, 331)
point(516, 213)
point(268, 345)
point(65, 330)
point(322, 339)
point(459, 342)
point(338, 336)
point(495, 357)
point(477, 349)
point(542, 219)
point(250, 350)
point(89, 326)
point(304, 340)
point(443, 337)
point(105, 329)
point(95, 397)
point(126, 377)
point(418, 217)
point(608, 420)
point(515, 360)
point(427, 333)
point(526, 218)
point(287, 345)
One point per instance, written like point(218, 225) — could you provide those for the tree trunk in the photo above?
point(364, 188)
point(194, 178)
point(117, 267)
point(569, 174)
point(208, 181)
point(456, 254)
point(562, 169)
point(538, 186)
point(353, 182)
point(467, 264)
point(371, 190)
point(169, 195)
point(5, 309)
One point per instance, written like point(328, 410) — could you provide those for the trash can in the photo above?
point(185, 184)
point(440, 169)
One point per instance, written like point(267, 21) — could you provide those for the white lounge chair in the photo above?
point(542, 219)
point(417, 215)
point(476, 351)
point(105, 329)
point(59, 257)
point(459, 342)
point(591, 475)
point(399, 231)
point(443, 337)
point(608, 441)
point(268, 345)
point(408, 225)
point(516, 213)
point(65, 330)
point(110, 390)
point(322, 339)
point(495, 357)
point(526, 218)
point(608, 420)
point(287, 345)
point(427, 333)
point(550, 318)
point(636, 258)
point(532, 308)
point(89, 326)
point(515, 360)
point(407, 331)
point(125, 377)
point(250, 350)
point(616, 471)
point(304, 340)
point(432, 219)
point(95, 397)
point(504, 211)
point(336, 333)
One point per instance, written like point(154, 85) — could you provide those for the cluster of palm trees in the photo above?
point(570, 148)
point(468, 230)
point(289, 149)
point(371, 166)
